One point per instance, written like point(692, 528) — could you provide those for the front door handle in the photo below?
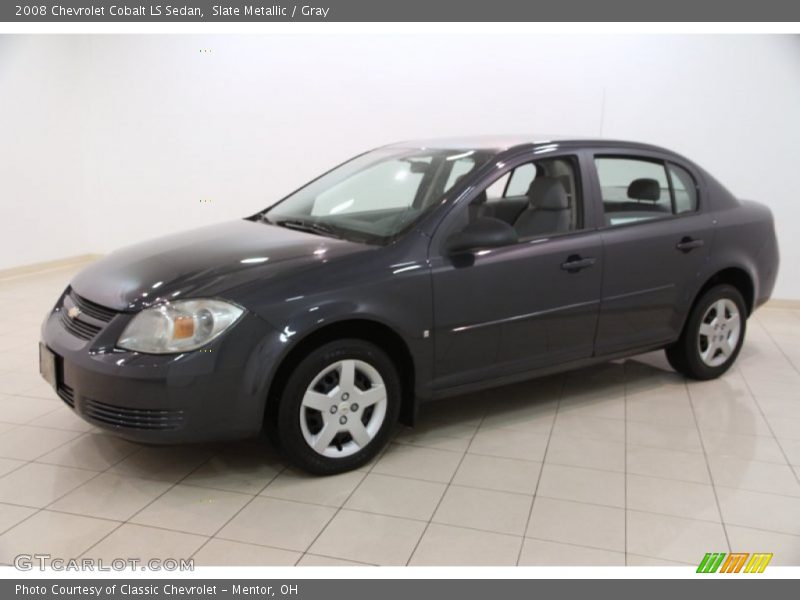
point(575, 263)
point(688, 244)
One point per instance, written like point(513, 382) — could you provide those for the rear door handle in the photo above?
point(575, 263)
point(688, 244)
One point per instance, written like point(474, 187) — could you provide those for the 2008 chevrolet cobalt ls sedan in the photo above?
point(411, 272)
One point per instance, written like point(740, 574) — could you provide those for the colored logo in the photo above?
point(73, 312)
point(736, 562)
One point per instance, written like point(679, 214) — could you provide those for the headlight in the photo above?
point(178, 326)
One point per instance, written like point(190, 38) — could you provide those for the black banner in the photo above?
point(405, 11)
point(734, 588)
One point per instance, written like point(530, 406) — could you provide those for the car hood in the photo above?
point(202, 262)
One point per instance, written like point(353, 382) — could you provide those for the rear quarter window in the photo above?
point(684, 188)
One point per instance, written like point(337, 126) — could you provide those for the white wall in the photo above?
point(107, 140)
point(43, 150)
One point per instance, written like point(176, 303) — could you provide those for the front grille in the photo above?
point(78, 327)
point(133, 418)
point(67, 394)
point(90, 319)
point(101, 313)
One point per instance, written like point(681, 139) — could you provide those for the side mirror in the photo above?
point(483, 232)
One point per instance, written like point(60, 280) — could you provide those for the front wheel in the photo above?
point(713, 335)
point(338, 407)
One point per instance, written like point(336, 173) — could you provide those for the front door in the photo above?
point(525, 306)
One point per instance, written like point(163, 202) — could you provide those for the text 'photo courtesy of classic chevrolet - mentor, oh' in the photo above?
point(412, 272)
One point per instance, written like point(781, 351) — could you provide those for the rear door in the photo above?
point(656, 239)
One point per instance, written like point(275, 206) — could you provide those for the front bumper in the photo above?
point(218, 393)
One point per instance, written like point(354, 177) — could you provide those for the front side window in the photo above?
point(377, 195)
point(538, 198)
point(520, 179)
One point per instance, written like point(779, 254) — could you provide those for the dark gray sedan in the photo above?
point(411, 272)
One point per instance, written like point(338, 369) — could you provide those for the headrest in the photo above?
point(644, 189)
point(539, 174)
point(548, 193)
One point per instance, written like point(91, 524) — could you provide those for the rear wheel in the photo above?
point(338, 407)
point(713, 335)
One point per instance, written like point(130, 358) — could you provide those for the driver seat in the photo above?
point(547, 211)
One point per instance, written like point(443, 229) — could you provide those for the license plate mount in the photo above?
point(47, 365)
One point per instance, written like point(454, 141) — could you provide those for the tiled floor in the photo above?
point(624, 463)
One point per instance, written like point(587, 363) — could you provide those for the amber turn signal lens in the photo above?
point(184, 328)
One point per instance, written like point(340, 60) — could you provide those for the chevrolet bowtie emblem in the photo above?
point(73, 312)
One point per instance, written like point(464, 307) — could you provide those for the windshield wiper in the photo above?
point(308, 226)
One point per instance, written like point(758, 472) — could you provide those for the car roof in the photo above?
point(501, 143)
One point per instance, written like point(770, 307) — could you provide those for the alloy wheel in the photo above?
point(719, 332)
point(343, 408)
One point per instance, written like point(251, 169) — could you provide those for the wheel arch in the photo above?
point(738, 278)
point(362, 328)
point(680, 356)
point(735, 276)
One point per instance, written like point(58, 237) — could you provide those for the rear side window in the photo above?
point(684, 188)
point(633, 190)
point(637, 189)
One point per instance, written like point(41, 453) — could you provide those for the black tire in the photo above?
point(685, 354)
point(288, 431)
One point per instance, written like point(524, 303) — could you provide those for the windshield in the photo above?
point(377, 195)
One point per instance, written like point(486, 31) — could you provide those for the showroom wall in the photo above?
point(109, 140)
point(44, 149)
